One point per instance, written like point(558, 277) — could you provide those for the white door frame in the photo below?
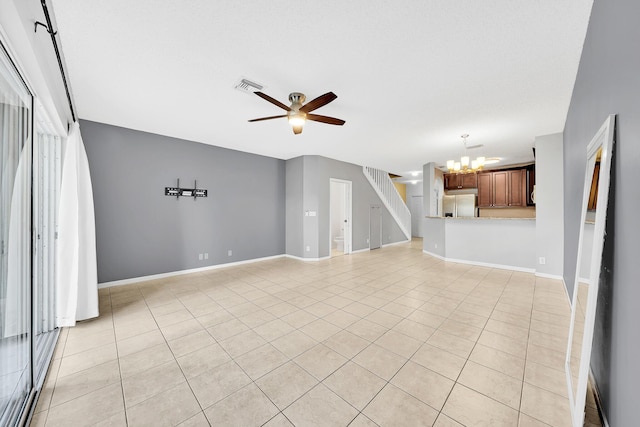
point(348, 229)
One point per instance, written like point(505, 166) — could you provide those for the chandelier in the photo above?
point(465, 165)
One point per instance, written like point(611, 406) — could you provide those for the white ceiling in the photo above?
point(411, 76)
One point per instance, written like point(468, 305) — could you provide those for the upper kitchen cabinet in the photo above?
point(502, 189)
point(460, 181)
point(518, 187)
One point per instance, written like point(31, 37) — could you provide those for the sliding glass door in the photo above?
point(30, 171)
point(15, 243)
point(47, 161)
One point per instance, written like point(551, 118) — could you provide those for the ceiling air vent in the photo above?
point(248, 86)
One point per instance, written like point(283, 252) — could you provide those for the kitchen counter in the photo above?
point(493, 242)
point(481, 218)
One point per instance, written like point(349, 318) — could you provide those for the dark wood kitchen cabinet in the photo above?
point(460, 181)
point(518, 187)
point(502, 189)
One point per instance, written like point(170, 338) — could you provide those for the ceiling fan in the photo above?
point(299, 113)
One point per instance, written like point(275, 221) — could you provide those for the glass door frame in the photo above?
point(40, 353)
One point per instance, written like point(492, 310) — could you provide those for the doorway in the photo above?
point(375, 227)
point(340, 217)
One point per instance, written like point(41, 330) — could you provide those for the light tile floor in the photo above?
point(391, 337)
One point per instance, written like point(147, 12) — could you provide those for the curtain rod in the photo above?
point(52, 33)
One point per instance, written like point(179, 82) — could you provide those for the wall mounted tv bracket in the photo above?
point(176, 191)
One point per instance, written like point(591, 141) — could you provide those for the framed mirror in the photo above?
point(589, 259)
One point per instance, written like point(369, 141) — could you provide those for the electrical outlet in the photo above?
point(206, 255)
point(436, 245)
point(542, 260)
point(308, 248)
point(229, 252)
point(200, 257)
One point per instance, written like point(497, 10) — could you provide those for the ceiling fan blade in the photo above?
point(267, 118)
point(318, 102)
point(273, 101)
point(325, 119)
point(297, 129)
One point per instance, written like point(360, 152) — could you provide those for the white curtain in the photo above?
point(76, 272)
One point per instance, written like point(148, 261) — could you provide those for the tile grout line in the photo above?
point(124, 402)
point(465, 363)
point(370, 287)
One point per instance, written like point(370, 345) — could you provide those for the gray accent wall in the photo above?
point(294, 206)
point(313, 174)
point(608, 81)
point(141, 232)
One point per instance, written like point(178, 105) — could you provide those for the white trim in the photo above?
point(386, 191)
point(395, 243)
point(181, 272)
point(603, 140)
point(360, 250)
point(348, 236)
point(584, 280)
point(482, 264)
point(306, 259)
point(550, 276)
point(434, 255)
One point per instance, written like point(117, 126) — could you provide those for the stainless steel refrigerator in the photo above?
point(459, 206)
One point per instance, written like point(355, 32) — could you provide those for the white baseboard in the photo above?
point(482, 264)
point(549, 276)
point(396, 243)
point(181, 272)
point(360, 251)
point(306, 259)
point(434, 255)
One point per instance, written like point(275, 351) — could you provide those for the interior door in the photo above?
point(375, 227)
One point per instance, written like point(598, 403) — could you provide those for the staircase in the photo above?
point(387, 192)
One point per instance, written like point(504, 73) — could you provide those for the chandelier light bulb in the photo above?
point(464, 161)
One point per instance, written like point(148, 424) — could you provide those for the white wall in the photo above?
point(549, 205)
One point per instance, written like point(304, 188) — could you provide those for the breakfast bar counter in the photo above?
point(493, 242)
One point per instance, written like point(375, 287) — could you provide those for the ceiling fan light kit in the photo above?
point(297, 113)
